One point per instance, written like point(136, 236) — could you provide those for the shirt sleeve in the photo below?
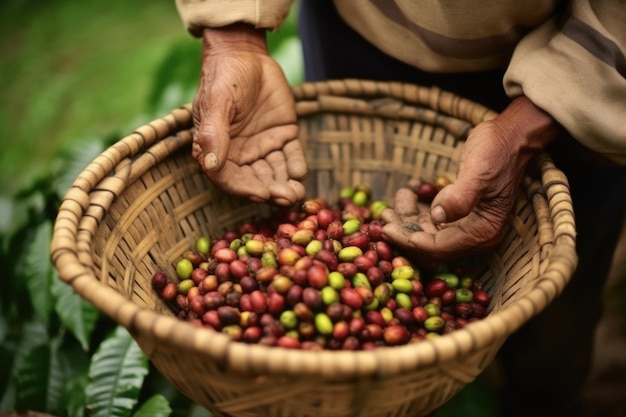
point(574, 68)
point(262, 14)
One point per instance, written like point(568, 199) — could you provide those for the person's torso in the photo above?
point(446, 35)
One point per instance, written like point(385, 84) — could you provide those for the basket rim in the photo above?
point(172, 132)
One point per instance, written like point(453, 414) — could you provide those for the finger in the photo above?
point(466, 237)
point(389, 215)
point(212, 135)
point(425, 222)
point(240, 181)
point(297, 167)
point(267, 141)
point(298, 189)
point(405, 203)
point(454, 201)
point(271, 173)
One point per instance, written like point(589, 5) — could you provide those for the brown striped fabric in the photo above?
point(446, 36)
point(596, 44)
point(568, 57)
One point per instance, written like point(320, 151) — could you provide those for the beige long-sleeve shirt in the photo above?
point(570, 61)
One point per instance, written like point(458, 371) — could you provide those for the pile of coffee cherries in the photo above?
point(319, 276)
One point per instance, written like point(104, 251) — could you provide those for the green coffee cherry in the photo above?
point(360, 280)
point(346, 192)
point(432, 309)
point(464, 295)
point(269, 259)
point(404, 300)
point(255, 247)
point(336, 280)
point(377, 207)
point(235, 244)
point(288, 319)
point(373, 305)
point(185, 285)
point(184, 268)
point(329, 295)
point(348, 253)
point(360, 198)
point(323, 324)
point(452, 281)
point(313, 247)
point(434, 324)
point(203, 244)
point(351, 226)
point(387, 314)
point(402, 285)
point(403, 272)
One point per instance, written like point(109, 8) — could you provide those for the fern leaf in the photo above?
point(116, 373)
point(77, 315)
point(38, 270)
point(155, 406)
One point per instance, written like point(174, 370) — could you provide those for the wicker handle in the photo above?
point(433, 98)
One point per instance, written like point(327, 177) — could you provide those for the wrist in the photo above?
point(526, 123)
point(237, 36)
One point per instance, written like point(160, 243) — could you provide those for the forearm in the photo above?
point(526, 127)
point(575, 71)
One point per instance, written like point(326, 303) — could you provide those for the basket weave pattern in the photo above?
point(143, 202)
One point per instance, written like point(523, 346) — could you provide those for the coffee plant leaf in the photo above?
point(39, 270)
point(73, 398)
point(40, 380)
point(116, 374)
point(155, 406)
point(76, 314)
point(28, 336)
point(33, 333)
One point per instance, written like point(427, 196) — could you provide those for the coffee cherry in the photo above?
point(318, 276)
point(159, 279)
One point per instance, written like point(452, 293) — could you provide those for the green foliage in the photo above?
point(155, 406)
point(58, 353)
point(39, 272)
point(116, 374)
point(76, 315)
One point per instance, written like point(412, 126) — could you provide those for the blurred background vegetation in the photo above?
point(74, 71)
point(77, 76)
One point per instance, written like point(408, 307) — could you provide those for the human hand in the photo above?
point(245, 119)
point(468, 216)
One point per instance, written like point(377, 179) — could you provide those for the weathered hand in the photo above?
point(245, 119)
point(468, 216)
point(409, 214)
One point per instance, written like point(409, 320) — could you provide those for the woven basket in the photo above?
point(142, 203)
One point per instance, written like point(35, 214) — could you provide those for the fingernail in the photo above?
point(210, 161)
point(438, 214)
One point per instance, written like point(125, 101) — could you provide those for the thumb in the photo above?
point(212, 139)
point(455, 201)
